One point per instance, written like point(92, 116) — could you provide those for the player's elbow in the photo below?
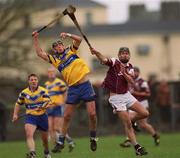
point(104, 61)
point(79, 40)
point(39, 53)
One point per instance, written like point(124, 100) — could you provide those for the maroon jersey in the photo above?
point(115, 81)
point(141, 86)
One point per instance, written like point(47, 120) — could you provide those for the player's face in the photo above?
point(124, 57)
point(33, 82)
point(51, 74)
point(59, 48)
point(136, 74)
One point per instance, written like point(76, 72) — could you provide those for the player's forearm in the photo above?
point(75, 37)
point(16, 109)
point(39, 51)
point(37, 47)
point(141, 94)
point(101, 57)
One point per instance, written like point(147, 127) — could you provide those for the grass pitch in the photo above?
point(108, 147)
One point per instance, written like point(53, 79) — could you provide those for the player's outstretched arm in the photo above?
point(101, 57)
point(39, 51)
point(76, 39)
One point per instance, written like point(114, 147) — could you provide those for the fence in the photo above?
point(108, 123)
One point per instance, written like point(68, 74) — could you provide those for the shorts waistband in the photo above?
point(78, 85)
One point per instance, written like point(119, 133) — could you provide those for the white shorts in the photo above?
point(121, 102)
point(143, 103)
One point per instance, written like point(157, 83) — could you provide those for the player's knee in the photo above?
point(92, 116)
point(56, 127)
point(146, 114)
point(29, 134)
point(67, 117)
point(142, 125)
point(50, 130)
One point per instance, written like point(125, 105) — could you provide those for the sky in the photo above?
point(118, 9)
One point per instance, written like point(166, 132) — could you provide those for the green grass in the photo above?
point(108, 147)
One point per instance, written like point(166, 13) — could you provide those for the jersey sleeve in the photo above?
point(131, 72)
point(110, 62)
point(20, 100)
point(74, 49)
point(45, 84)
point(63, 87)
point(52, 60)
point(45, 96)
point(145, 86)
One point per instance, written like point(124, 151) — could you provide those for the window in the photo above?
point(96, 65)
point(88, 19)
point(143, 50)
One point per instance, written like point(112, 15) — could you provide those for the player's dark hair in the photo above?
point(34, 75)
point(136, 69)
point(54, 44)
point(124, 49)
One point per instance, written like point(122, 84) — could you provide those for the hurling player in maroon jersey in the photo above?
point(141, 92)
point(118, 77)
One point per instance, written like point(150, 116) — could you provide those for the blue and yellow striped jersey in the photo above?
point(33, 100)
point(70, 65)
point(56, 89)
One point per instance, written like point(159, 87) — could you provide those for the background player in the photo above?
point(141, 92)
point(34, 97)
point(57, 92)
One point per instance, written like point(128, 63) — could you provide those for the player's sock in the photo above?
point(93, 134)
point(61, 139)
point(156, 139)
point(47, 154)
point(69, 139)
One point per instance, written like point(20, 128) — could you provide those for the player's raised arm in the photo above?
point(76, 39)
point(39, 51)
point(101, 57)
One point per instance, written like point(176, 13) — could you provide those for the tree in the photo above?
point(14, 16)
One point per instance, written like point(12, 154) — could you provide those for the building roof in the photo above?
point(44, 4)
point(137, 27)
point(127, 28)
point(163, 27)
